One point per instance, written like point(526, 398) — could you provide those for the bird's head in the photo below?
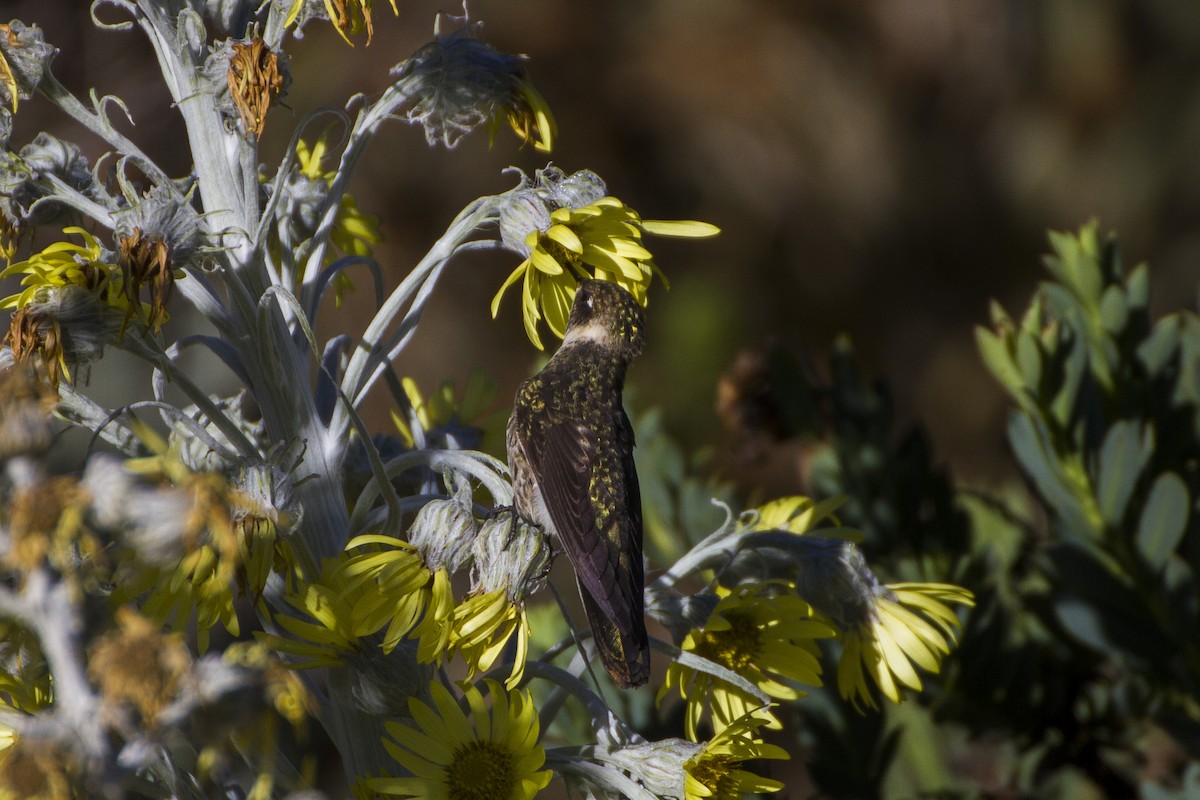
point(608, 315)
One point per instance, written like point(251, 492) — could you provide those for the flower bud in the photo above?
point(525, 211)
point(680, 614)
point(161, 215)
point(445, 531)
point(658, 766)
point(27, 55)
point(513, 555)
point(571, 191)
point(24, 178)
point(24, 415)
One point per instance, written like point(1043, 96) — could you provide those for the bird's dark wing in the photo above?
point(592, 496)
point(565, 461)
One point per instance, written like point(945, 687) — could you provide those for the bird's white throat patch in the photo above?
point(591, 332)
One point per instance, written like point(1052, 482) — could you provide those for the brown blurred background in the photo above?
point(879, 168)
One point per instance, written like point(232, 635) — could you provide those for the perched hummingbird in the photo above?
point(570, 450)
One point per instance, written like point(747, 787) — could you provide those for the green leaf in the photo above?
point(1164, 520)
point(1074, 365)
point(1114, 310)
point(997, 359)
point(1029, 440)
point(1137, 288)
point(1156, 350)
point(1029, 360)
point(1099, 607)
point(1084, 622)
point(1126, 450)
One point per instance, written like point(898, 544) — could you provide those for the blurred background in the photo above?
point(879, 169)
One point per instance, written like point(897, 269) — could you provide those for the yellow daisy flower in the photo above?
point(527, 113)
point(362, 594)
point(404, 595)
point(763, 638)
point(715, 771)
point(483, 624)
point(799, 514)
point(508, 569)
point(601, 240)
point(348, 16)
point(138, 665)
point(67, 264)
point(492, 755)
point(909, 624)
point(201, 584)
point(332, 633)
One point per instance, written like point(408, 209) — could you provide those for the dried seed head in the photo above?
point(255, 79)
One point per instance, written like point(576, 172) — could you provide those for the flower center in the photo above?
point(480, 771)
point(713, 772)
point(570, 261)
point(735, 648)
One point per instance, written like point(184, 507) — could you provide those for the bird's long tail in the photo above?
point(622, 643)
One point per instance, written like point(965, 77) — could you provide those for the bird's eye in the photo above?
point(590, 302)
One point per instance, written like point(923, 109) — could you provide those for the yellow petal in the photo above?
point(545, 262)
point(566, 237)
point(609, 260)
point(513, 277)
point(685, 228)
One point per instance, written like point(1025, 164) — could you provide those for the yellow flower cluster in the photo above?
point(601, 240)
point(349, 17)
point(761, 635)
point(493, 754)
point(386, 588)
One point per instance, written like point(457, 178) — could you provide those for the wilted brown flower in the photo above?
point(44, 520)
point(139, 664)
point(25, 406)
point(34, 332)
point(40, 768)
point(254, 80)
point(145, 262)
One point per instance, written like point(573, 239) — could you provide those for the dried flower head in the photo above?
point(59, 329)
point(138, 665)
point(46, 525)
point(25, 406)
point(24, 58)
point(461, 83)
point(255, 79)
point(144, 263)
point(40, 767)
point(29, 176)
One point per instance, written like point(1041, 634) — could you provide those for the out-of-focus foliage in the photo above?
point(1079, 669)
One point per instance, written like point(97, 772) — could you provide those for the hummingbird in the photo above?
point(570, 452)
